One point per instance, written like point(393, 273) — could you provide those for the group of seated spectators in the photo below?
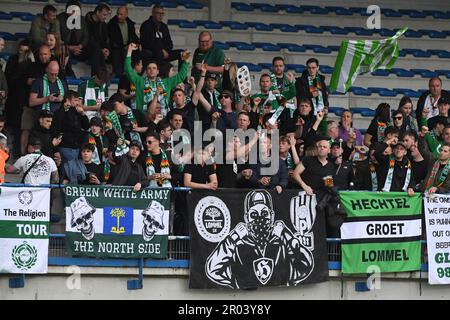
point(145, 134)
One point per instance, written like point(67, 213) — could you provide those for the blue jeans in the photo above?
point(68, 154)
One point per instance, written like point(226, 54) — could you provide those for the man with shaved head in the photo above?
point(121, 32)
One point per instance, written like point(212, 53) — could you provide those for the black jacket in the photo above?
point(45, 136)
point(98, 31)
point(115, 35)
point(302, 87)
point(399, 174)
point(421, 103)
point(123, 170)
point(72, 124)
point(74, 36)
point(148, 36)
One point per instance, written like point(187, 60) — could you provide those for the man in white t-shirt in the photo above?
point(43, 169)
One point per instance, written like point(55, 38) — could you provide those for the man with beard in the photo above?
point(437, 180)
point(207, 53)
point(262, 244)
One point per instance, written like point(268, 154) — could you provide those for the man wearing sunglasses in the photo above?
point(226, 117)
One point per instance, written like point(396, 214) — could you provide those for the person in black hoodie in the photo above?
point(71, 122)
point(155, 39)
point(43, 133)
point(311, 85)
point(121, 33)
point(98, 31)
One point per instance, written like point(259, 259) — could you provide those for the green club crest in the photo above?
point(24, 256)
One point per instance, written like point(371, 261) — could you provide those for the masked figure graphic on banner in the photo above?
point(260, 250)
point(83, 217)
point(153, 220)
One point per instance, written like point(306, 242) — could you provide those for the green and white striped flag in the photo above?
point(362, 56)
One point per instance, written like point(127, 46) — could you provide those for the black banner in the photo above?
point(243, 239)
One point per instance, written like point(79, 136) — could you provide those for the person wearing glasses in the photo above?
point(156, 40)
point(208, 54)
point(398, 119)
point(226, 117)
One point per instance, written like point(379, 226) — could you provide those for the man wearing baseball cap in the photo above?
point(395, 171)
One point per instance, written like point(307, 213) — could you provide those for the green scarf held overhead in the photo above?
point(317, 101)
point(46, 90)
point(94, 93)
point(150, 88)
point(115, 122)
point(135, 136)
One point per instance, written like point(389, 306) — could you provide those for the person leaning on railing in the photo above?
point(438, 180)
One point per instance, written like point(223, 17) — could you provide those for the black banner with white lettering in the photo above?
point(243, 239)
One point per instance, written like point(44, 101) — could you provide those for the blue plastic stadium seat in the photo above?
point(359, 91)
point(284, 27)
point(367, 112)
point(376, 89)
point(168, 4)
point(386, 32)
point(175, 21)
point(89, 1)
point(443, 72)
point(311, 46)
point(421, 54)
point(358, 10)
point(212, 25)
point(294, 9)
point(115, 81)
point(337, 30)
point(296, 48)
point(265, 65)
point(271, 47)
point(320, 49)
point(319, 10)
point(233, 25)
point(261, 44)
point(387, 93)
point(406, 92)
point(117, 2)
point(251, 66)
point(402, 72)
point(424, 73)
point(381, 73)
point(312, 29)
point(401, 53)
point(298, 68)
point(391, 13)
point(425, 32)
point(143, 3)
point(21, 35)
point(239, 6)
point(335, 110)
point(193, 5)
point(5, 16)
point(437, 35)
point(363, 131)
point(221, 45)
point(260, 26)
point(334, 48)
point(444, 55)
point(412, 34)
point(326, 69)
point(7, 36)
point(257, 5)
point(302, 26)
point(269, 8)
point(441, 15)
point(435, 51)
point(241, 45)
point(187, 24)
point(364, 32)
point(73, 82)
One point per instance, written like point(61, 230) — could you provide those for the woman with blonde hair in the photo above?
point(58, 49)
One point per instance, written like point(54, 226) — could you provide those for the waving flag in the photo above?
point(362, 56)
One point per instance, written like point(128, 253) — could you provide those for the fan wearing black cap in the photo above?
point(226, 117)
point(343, 175)
point(443, 106)
point(367, 168)
point(310, 172)
point(395, 169)
point(433, 135)
point(43, 133)
point(129, 172)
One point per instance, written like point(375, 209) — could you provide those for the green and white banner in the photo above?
point(115, 222)
point(437, 221)
point(381, 232)
point(24, 229)
point(362, 56)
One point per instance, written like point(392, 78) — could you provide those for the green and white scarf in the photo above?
point(92, 140)
point(46, 90)
point(165, 168)
point(388, 183)
point(150, 88)
point(317, 101)
point(135, 136)
point(93, 95)
point(442, 177)
point(115, 123)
